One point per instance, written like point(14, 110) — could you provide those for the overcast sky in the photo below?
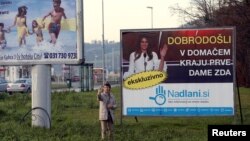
point(127, 14)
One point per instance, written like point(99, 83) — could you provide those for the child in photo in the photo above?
point(55, 24)
point(3, 41)
point(37, 29)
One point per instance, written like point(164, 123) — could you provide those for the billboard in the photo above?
point(40, 32)
point(178, 72)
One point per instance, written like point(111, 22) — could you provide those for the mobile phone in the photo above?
point(99, 97)
point(100, 89)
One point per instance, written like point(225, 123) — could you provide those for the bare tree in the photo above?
point(223, 13)
point(200, 12)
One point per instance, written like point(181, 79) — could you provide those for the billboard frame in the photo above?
point(233, 28)
point(79, 44)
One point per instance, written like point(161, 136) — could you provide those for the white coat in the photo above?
point(136, 66)
point(104, 100)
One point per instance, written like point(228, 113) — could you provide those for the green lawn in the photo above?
point(75, 118)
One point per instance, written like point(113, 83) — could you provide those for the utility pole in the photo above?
point(151, 8)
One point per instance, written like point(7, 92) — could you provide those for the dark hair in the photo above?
point(57, 1)
point(107, 84)
point(138, 50)
point(22, 9)
point(34, 21)
point(1, 24)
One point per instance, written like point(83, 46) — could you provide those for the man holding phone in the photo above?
point(107, 106)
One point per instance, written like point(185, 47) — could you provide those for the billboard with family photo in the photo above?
point(178, 72)
point(40, 32)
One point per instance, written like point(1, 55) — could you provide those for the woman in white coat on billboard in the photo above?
point(144, 59)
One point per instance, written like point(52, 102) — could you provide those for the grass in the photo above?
point(75, 118)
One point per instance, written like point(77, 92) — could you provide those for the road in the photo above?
point(76, 87)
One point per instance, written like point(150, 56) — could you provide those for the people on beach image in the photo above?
point(37, 29)
point(20, 23)
point(3, 42)
point(55, 24)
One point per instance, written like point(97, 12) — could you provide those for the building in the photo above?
point(12, 73)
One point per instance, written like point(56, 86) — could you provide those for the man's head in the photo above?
point(107, 84)
point(106, 87)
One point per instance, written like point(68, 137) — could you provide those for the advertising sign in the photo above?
point(178, 72)
point(40, 32)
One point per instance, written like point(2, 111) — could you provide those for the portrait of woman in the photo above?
point(145, 59)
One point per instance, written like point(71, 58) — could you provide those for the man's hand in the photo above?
point(99, 94)
point(110, 106)
point(99, 91)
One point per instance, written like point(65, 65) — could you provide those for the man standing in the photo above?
point(107, 105)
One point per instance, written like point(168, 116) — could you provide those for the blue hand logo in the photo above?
point(160, 97)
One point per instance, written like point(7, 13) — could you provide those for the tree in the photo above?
point(237, 13)
point(199, 13)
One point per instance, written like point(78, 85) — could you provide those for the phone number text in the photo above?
point(60, 55)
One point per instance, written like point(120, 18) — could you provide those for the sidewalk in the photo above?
point(78, 89)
